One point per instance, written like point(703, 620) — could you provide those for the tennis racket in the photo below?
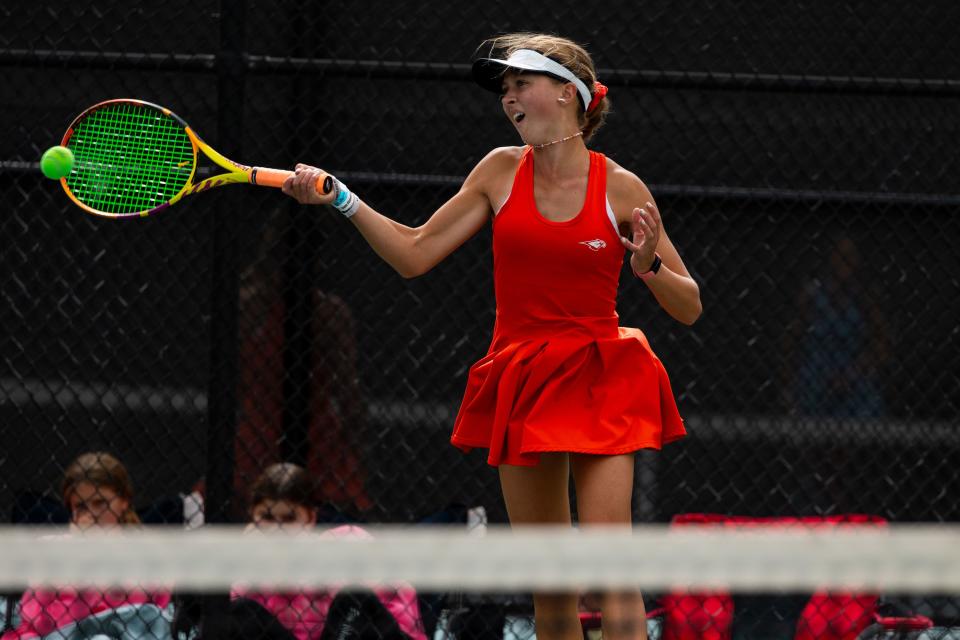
point(134, 158)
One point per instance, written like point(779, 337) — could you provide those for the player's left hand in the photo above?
point(645, 226)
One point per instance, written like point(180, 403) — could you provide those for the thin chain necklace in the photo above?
point(547, 144)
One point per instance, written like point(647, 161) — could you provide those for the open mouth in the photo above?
point(517, 117)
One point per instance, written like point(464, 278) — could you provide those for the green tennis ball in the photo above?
point(56, 162)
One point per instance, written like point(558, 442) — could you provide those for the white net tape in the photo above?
point(905, 559)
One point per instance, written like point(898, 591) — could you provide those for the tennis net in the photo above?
point(895, 579)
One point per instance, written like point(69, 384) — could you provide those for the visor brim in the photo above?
point(488, 73)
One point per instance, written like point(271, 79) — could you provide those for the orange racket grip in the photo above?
point(276, 177)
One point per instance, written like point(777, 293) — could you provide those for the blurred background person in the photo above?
point(328, 447)
point(97, 490)
point(838, 342)
point(281, 498)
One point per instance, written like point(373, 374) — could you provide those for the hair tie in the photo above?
point(599, 91)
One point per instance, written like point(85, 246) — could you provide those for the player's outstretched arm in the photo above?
point(412, 251)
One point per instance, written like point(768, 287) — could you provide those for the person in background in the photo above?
point(98, 493)
point(330, 448)
point(282, 498)
point(838, 340)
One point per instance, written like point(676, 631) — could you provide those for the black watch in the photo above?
point(653, 270)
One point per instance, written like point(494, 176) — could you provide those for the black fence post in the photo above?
point(224, 304)
point(301, 246)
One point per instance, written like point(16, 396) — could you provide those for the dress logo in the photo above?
point(595, 245)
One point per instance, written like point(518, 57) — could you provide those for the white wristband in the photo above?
point(344, 200)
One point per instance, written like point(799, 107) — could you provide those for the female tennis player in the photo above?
point(562, 388)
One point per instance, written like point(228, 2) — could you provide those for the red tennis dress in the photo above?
point(560, 374)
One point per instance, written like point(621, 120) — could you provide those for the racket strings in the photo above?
point(129, 158)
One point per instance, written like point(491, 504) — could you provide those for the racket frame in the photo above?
point(236, 173)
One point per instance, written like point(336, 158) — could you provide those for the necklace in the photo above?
point(547, 144)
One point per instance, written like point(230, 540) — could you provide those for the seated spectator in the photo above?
point(98, 493)
point(282, 498)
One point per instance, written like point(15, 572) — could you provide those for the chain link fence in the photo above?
point(802, 155)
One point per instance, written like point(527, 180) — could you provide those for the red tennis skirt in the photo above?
point(596, 396)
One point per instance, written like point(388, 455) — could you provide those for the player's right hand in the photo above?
point(302, 186)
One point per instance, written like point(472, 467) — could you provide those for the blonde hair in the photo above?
point(564, 51)
point(101, 470)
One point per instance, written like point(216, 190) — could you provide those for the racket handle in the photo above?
point(276, 177)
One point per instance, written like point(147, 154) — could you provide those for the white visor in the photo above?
point(488, 72)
